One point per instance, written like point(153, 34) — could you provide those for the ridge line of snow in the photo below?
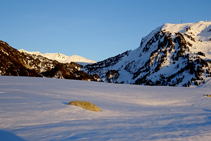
point(61, 57)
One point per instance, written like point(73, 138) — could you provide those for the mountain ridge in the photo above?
point(61, 57)
point(16, 63)
point(172, 54)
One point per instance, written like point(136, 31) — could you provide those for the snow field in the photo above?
point(36, 109)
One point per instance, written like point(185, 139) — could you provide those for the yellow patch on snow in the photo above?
point(86, 105)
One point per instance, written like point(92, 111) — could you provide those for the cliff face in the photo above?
point(172, 54)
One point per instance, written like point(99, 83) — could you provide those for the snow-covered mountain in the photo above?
point(62, 58)
point(172, 54)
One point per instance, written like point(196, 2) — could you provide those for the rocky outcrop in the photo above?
point(86, 105)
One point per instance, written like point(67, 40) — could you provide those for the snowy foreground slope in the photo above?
point(36, 109)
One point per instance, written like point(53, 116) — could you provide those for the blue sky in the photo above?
point(94, 29)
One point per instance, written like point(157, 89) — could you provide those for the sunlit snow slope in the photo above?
point(61, 57)
point(35, 109)
point(172, 54)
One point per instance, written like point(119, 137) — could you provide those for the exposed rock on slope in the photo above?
point(14, 63)
point(17, 63)
point(173, 54)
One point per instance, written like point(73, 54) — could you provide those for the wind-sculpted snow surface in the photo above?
point(36, 109)
point(171, 55)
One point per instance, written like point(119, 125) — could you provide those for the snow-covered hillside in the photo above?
point(35, 109)
point(172, 54)
point(62, 58)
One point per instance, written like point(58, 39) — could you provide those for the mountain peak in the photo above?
point(62, 58)
point(172, 54)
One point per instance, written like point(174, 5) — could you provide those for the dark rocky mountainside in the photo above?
point(15, 63)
